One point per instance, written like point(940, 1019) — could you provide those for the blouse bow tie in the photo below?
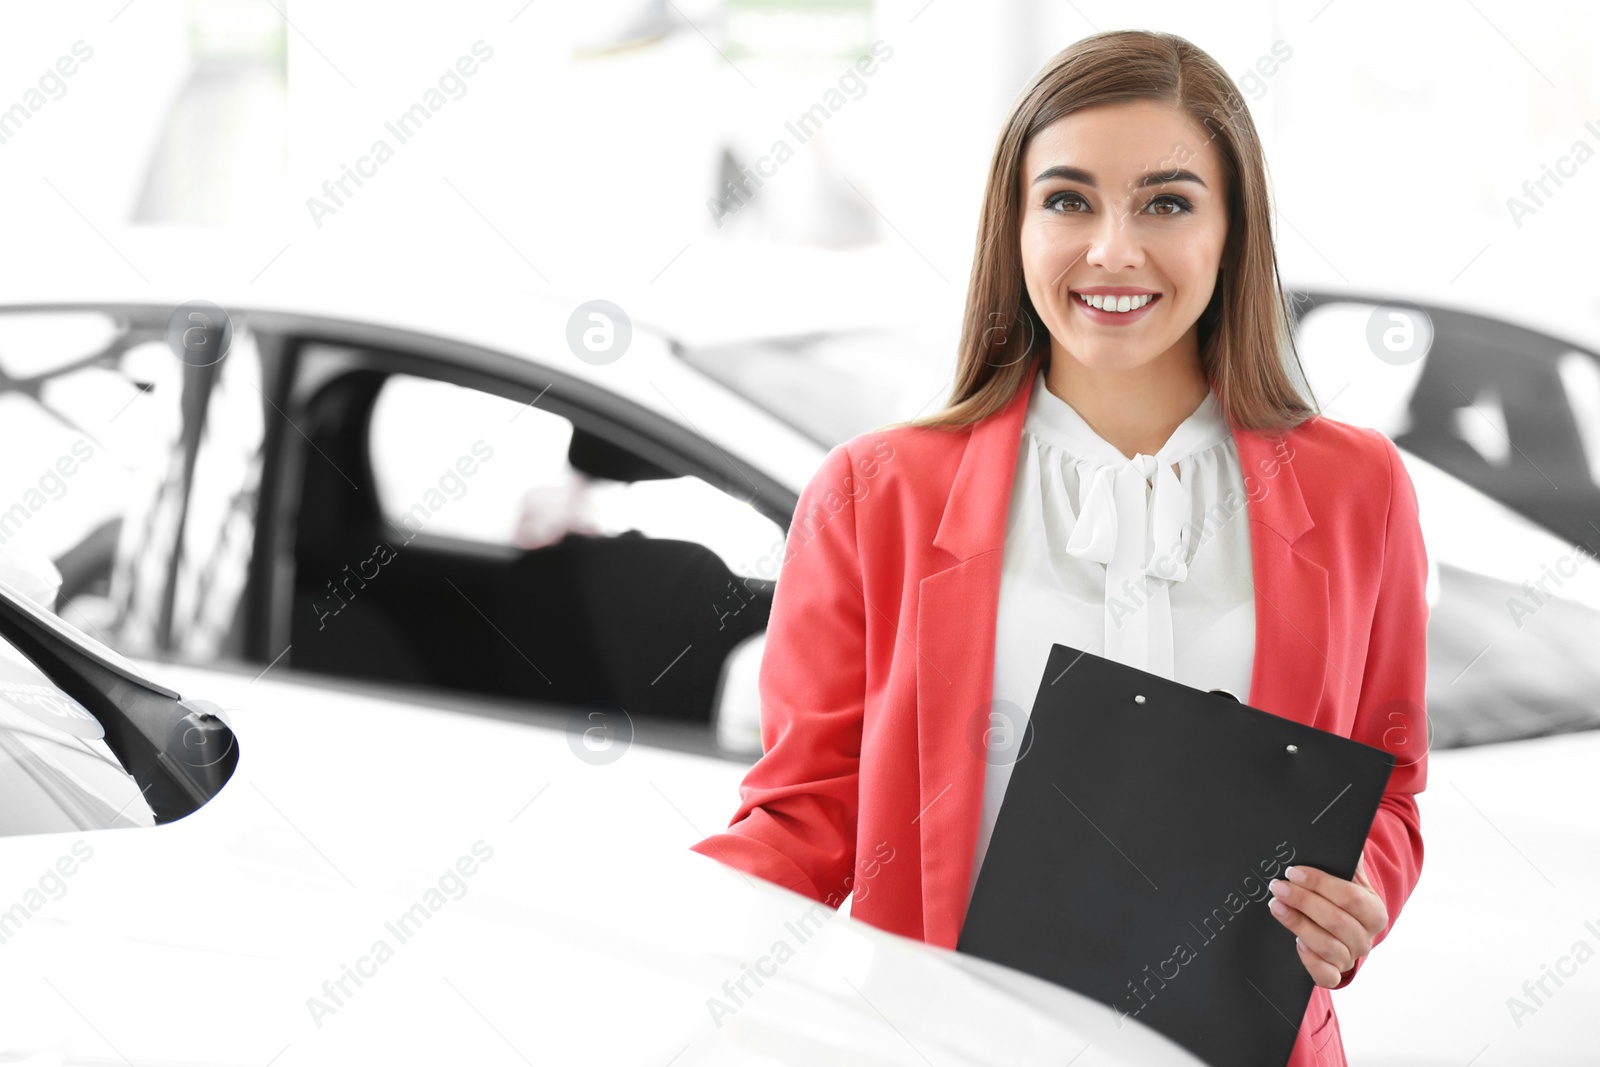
point(1122, 494)
point(1135, 516)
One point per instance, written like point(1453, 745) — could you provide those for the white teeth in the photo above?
point(1117, 303)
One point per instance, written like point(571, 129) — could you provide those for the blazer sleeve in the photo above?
point(1391, 712)
point(796, 821)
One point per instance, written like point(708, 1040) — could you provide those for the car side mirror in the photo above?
point(180, 752)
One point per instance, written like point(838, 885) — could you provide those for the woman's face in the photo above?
point(1124, 197)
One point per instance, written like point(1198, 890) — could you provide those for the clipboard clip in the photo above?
point(1290, 749)
point(1139, 697)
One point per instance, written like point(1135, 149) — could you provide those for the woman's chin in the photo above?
point(1099, 355)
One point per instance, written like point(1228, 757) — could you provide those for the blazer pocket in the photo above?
point(1325, 1032)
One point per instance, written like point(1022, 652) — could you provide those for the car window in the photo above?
point(92, 422)
point(1580, 379)
point(449, 538)
point(78, 413)
point(219, 525)
point(1510, 411)
point(462, 463)
point(138, 471)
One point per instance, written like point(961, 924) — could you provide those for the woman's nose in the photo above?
point(1115, 242)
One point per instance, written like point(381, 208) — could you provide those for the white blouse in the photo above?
point(1124, 558)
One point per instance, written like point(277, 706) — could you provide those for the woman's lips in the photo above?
point(1114, 318)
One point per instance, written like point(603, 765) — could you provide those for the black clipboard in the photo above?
point(1130, 858)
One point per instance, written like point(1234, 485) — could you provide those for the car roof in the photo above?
point(464, 307)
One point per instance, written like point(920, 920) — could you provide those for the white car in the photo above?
point(238, 571)
point(403, 872)
point(389, 883)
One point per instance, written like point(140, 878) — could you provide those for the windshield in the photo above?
point(832, 386)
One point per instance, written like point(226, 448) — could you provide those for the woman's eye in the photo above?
point(1054, 202)
point(1179, 204)
point(1058, 198)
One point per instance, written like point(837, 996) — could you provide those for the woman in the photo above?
point(1139, 479)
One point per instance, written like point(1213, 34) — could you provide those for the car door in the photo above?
point(512, 536)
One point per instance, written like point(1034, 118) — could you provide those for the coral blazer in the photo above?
point(879, 662)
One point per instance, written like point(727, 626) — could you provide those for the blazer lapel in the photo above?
point(956, 614)
point(1291, 588)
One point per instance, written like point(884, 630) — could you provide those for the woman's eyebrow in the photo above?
point(1078, 174)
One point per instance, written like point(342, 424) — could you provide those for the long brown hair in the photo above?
point(1243, 332)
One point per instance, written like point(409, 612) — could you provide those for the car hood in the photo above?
point(381, 882)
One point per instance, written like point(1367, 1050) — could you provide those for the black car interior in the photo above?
point(623, 621)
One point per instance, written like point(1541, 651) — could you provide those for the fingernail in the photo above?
point(1277, 887)
point(1295, 874)
point(1278, 907)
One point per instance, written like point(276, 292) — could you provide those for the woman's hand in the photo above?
point(1335, 919)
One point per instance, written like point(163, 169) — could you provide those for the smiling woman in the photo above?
point(1103, 187)
point(1122, 386)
